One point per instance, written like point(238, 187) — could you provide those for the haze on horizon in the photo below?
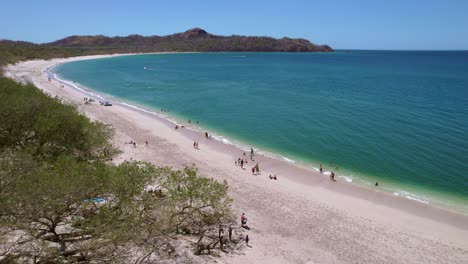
point(361, 24)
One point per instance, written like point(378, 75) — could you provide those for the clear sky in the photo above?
point(353, 24)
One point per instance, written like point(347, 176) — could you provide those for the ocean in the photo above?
point(396, 117)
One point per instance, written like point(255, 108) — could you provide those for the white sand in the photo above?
point(300, 218)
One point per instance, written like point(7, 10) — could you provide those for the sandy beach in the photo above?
point(302, 217)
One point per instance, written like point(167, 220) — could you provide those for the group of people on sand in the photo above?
point(88, 100)
point(195, 145)
point(207, 135)
point(332, 174)
point(134, 143)
point(244, 225)
point(240, 162)
point(255, 169)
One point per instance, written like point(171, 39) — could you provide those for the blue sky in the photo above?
point(359, 24)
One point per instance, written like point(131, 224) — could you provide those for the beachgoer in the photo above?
point(321, 170)
point(247, 240)
point(270, 177)
point(242, 219)
point(146, 142)
point(134, 144)
point(220, 232)
point(176, 127)
point(257, 168)
point(194, 144)
point(253, 170)
point(230, 233)
point(189, 121)
point(274, 177)
point(332, 176)
point(242, 163)
point(376, 184)
point(206, 135)
point(251, 151)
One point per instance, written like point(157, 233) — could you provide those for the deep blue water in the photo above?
point(397, 117)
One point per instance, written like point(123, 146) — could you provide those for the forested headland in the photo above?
point(195, 40)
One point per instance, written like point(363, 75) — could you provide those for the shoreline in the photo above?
point(348, 177)
point(296, 187)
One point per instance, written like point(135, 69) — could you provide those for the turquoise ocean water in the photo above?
point(397, 117)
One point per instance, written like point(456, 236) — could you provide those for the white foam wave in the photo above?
point(288, 160)
point(347, 178)
point(411, 196)
point(76, 87)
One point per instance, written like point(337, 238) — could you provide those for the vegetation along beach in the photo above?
point(200, 147)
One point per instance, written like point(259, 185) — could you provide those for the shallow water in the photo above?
point(400, 118)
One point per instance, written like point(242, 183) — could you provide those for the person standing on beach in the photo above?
point(251, 151)
point(134, 144)
point(247, 240)
point(332, 176)
point(257, 168)
point(146, 143)
point(242, 163)
point(321, 170)
point(230, 233)
point(253, 170)
point(242, 219)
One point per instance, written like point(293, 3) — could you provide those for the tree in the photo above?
point(60, 201)
point(43, 126)
point(57, 209)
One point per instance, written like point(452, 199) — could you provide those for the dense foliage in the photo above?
point(62, 201)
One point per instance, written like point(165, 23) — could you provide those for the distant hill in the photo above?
point(195, 39)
